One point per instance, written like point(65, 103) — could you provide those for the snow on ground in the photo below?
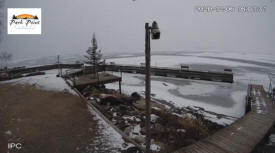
point(259, 103)
point(155, 147)
point(272, 139)
point(111, 139)
point(49, 81)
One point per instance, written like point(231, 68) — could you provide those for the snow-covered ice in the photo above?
point(222, 98)
point(196, 88)
point(266, 58)
point(188, 93)
point(176, 61)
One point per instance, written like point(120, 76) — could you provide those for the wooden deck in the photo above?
point(82, 81)
point(243, 135)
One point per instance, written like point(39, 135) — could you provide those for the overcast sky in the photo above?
point(68, 25)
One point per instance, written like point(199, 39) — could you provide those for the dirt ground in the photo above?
point(44, 121)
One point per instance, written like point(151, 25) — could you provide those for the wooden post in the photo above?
point(120, 73)
point(120, 86)
point(148, 87)
point(58, 62)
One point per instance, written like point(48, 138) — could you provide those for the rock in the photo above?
point(181, 130)
point(133, 150)
point(137, 119)
point(135, 96)
point(128, 130)
point(159, 127)
point(127, 100)
point(66, 91)
point(111, 100)
point(104, 95)
point(91, 98)
point(154, 118)
point(139, 139)
point(155, 147)
point(143, 131)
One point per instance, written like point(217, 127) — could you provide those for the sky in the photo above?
point(68, 26)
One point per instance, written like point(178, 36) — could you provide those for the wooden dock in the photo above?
point(243, 135)
point(224, 76)
point(83, 81)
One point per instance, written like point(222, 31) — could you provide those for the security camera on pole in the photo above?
point(155, 34)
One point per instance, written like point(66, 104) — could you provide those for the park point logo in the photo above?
point(24, 20)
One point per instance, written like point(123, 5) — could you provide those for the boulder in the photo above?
point(135, 96)
point(110, 100)
point(154, 118)
point(139, 139)
point(159, 128)
point(128, 130)
point(133, 150)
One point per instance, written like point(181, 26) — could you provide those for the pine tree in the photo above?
point(94, 57)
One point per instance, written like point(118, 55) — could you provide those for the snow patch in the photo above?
point(154, 118)
point(8, 132)
point(272, 139)
point(155, 147)
point(49, 81)
point(111, 138)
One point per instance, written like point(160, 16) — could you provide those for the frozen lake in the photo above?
point(222, 98)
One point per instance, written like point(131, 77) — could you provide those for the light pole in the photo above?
point(155, 34)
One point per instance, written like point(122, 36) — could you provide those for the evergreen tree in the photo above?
point(94, 57)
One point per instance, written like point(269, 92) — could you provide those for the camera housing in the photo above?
point(155, 32)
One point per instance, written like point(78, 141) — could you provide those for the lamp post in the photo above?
point(155, 34)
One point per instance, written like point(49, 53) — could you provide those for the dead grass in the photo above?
point(44, 121)
point(177, 132)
